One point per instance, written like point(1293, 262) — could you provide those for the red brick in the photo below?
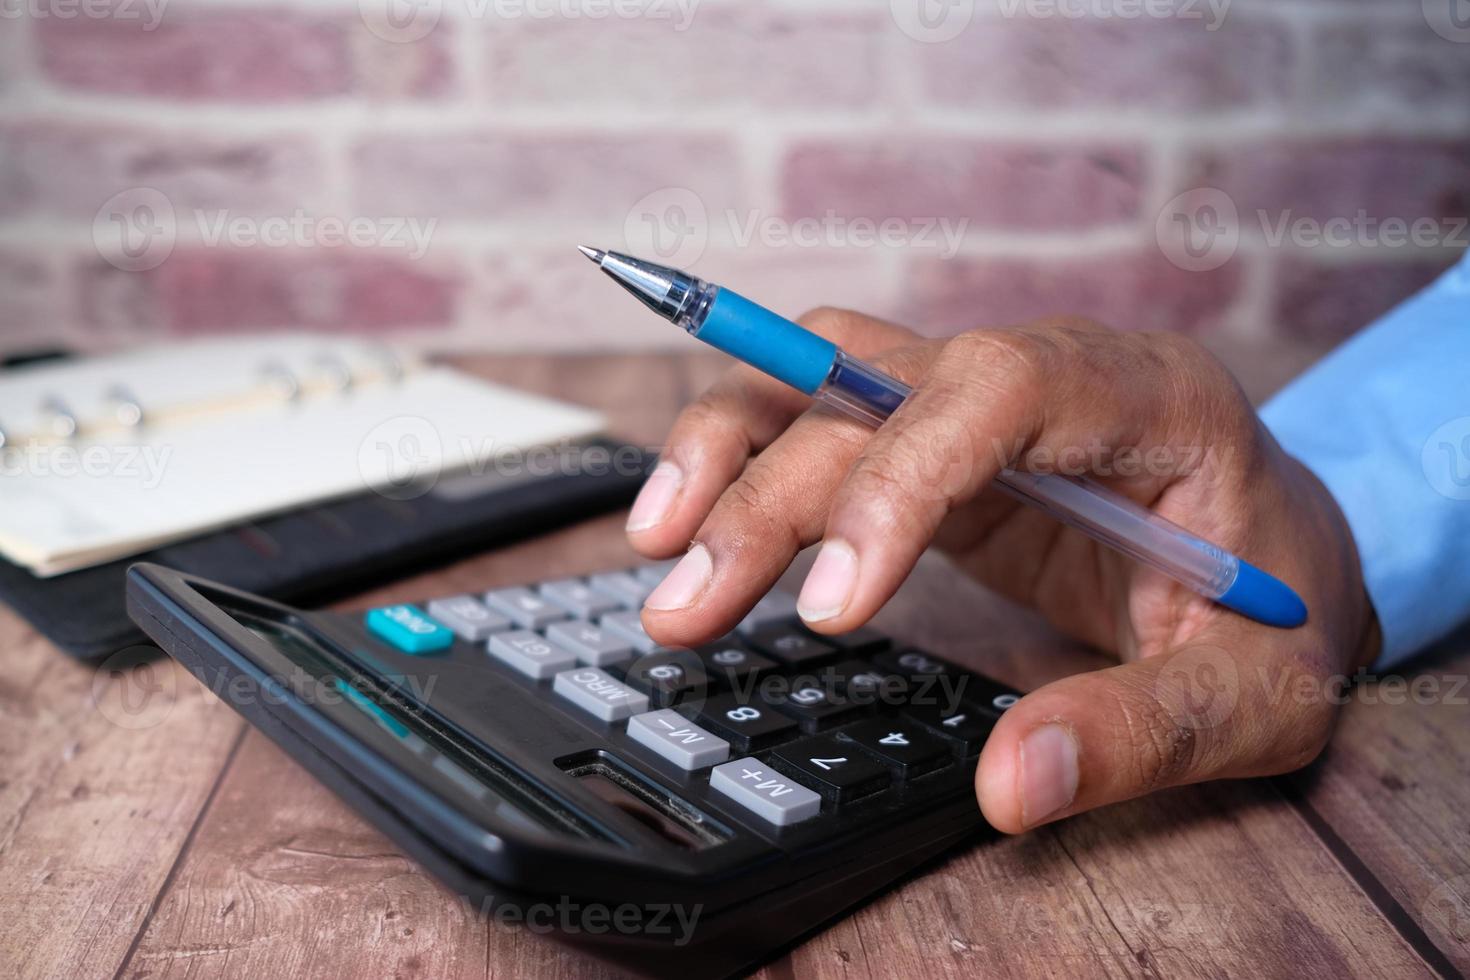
point(1327, 303)
point(71, 169)
point(553, 300)
point(1136, 290)
point(746, 55)
point(27, 300)
point(993, 185)
point(1385, 177)
point(1057, 62)
point(275, 55)
point(533, 177)
point(203, 291)
point(1390, 68)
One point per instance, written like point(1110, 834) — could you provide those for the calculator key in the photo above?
point(770, 795)
point(775, 607)
point(864, 684)
point(652, 575)
point(967, 726)
point(625, 587)
point(678, 739)
point(730, 663)
point(913, 663)
point(863, 640)
point(468, 617)
point(532, 655)
point(835, 769)
point(409, 629)
point(579, 598)
point(629, 626)
point(669, 677)
point(901, 744)
point(748, 725)
point(525, 608)
point(599, 694)
point(790, 644)
point(815, 702)
point(592, 644)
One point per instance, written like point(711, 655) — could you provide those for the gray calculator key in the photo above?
point(770, 795)
point(623, 586)
point(629, 626)
point(592, 644)
point(468, 617)
point(599, 694)
point(579, 598)
point(775, 606)
point(653, 574)
point(532, 655)
point(678, 739)
point(525, 608)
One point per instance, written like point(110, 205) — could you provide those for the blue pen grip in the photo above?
point(767, 342)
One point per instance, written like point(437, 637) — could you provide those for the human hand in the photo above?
point(751, 476)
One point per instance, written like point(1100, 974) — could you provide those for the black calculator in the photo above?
point(677, 811)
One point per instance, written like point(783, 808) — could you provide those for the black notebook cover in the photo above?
point(313, 555)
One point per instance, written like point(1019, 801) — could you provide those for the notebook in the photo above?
point(107, 458)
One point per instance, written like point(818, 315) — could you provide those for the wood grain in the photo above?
point(187, 844)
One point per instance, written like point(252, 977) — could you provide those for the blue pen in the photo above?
point(726, 320)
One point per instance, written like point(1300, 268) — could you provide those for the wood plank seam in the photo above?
point(1372, 887)
point(179, 858)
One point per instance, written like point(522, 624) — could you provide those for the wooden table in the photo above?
point(176, 841)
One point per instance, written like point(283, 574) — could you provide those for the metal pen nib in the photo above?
point(670, 293)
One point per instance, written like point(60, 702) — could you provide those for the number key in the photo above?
point(747, 725)
point(835, 769)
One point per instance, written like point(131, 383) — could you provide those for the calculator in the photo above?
point(678, 811)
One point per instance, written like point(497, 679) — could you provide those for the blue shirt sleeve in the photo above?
point(1384, 422)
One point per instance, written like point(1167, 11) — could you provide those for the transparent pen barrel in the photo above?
point(1131, 528)
point(861, 391)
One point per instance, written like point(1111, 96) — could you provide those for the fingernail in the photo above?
point(829, 584)
point(656, 498)
point(1048, 772)
point(684, 583)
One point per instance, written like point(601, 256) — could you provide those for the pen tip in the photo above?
point(593, 254)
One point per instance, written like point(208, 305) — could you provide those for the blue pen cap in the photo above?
point(1264, 598)
point(767, 342)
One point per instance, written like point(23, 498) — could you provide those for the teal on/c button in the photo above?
point(409, 629)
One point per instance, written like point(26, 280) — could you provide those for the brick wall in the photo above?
point(1250, 170)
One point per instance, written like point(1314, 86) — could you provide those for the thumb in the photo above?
point(1222, 707)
